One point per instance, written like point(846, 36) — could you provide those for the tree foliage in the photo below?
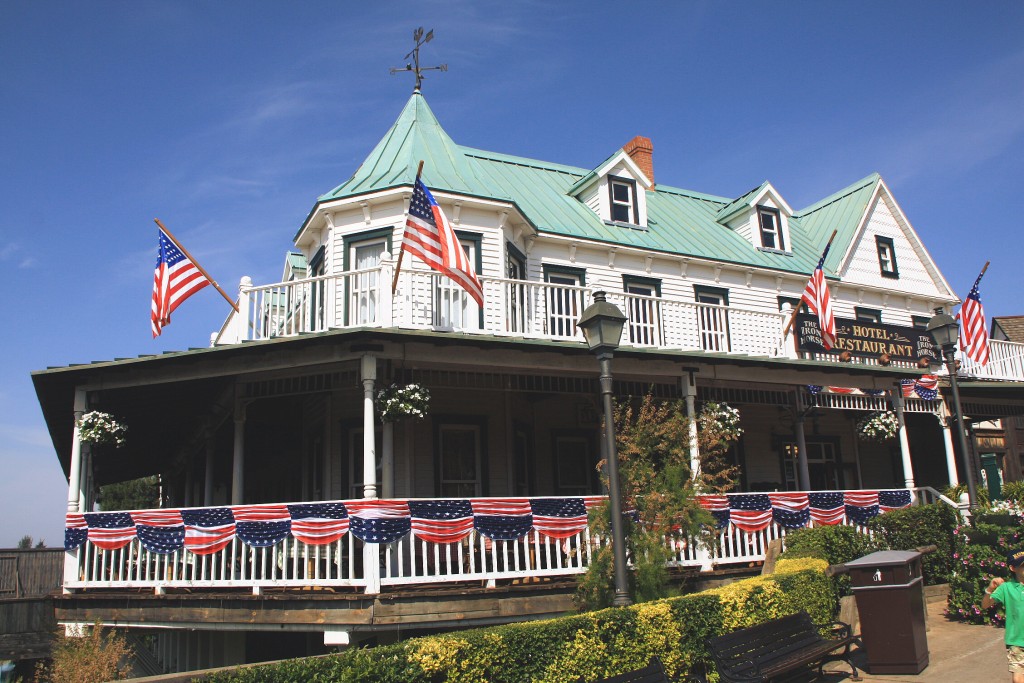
point(137, 494)
point(98, 655)
point(657, 484)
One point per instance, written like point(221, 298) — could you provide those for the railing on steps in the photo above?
point(370, 544)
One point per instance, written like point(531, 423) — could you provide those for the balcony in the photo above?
point(515, 308)
point(426, 300)
point(372, 545)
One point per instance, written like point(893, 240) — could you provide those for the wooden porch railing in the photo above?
point(407, 559)
point(428, 300)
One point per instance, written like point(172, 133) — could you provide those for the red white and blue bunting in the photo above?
point(753, 512)
point(204, 531)
point(925, 387)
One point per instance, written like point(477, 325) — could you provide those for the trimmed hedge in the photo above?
point(913, 527)
point(833, 544)
point(592, 645)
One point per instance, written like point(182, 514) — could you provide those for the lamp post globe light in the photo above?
point(944, 329)
point(602, 324)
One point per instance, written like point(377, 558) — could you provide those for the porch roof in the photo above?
point(163, 396)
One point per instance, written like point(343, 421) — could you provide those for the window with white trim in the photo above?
point(622, 200)
point(770, 221)
point(459, 460)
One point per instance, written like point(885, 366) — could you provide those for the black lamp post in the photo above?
point(945, 330)
point(602, 324)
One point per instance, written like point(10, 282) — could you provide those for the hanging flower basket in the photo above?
point(396, 402)
point(724, 419)
point(879, 427)
point(98, 428)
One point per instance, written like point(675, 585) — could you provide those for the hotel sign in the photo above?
point(868, 340)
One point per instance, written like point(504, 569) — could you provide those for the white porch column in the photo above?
point(689, 388)
point(384, 295)
point(788, 338)
point(75, 468)
point(908, 468)
point(238, 456)
point(208, 474)
point(368, 373)
point(387, 460)
point(802, 470)
point(947, 438)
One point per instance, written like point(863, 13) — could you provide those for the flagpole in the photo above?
point(401, 251)
point(796, 309)
point(198, 267)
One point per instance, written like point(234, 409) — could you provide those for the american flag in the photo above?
point(441, 521)
point(972, 316)
point(502, 519)
point(429, 236)
point(176, 279)
point(262, 526)
point(379, 521)
point(819, 300)
point(559, 517)
point(750, 511)
point(160, 531)
point(75, 530)
point(861, 506)
point(827, 507)
point(318, 523)
point(208, 530)
point(926, 387)
point(110, 530)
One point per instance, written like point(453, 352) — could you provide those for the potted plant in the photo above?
point(878, 426)
point(99, 429)
point(396, 402)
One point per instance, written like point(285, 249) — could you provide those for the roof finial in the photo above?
point(420, 40)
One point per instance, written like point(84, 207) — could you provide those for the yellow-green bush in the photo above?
point(592, 645)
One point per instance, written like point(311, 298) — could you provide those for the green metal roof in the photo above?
point(681, 222)
point(727, 211)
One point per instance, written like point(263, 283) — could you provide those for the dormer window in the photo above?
point(771, 228)
point(622, 195)
point(886, 257)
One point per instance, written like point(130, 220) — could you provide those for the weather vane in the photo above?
point(421, 40)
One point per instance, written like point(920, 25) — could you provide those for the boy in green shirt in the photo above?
point(1010, 594)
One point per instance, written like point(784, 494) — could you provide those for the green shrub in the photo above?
point(954, 492)
point(918, 526)
point(592, 645)
point(1013, 491)
point(979, 554)
point(833, 544)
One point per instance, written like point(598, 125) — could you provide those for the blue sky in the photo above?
point(227, 119)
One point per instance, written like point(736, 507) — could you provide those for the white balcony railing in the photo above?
point(428, 300)
point(350, 562)
point(539, 310)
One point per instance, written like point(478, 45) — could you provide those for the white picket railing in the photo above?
point(428, 300)
point(1005, 361)
point(352, 563)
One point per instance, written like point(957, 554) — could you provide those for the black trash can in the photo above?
point(889, 589)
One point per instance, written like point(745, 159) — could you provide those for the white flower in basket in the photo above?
point(99, 428)
point(724, 419)
point(396, 402)
point(881, 426)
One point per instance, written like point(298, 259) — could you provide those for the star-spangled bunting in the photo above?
point(318, 523)
point(926, 387)
point(204, 531)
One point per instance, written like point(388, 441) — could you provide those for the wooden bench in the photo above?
point(654, 672)
point(777, 648)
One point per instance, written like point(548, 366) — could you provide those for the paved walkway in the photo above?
point(958, 653)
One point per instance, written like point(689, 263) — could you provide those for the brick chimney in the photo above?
point(641, 150)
